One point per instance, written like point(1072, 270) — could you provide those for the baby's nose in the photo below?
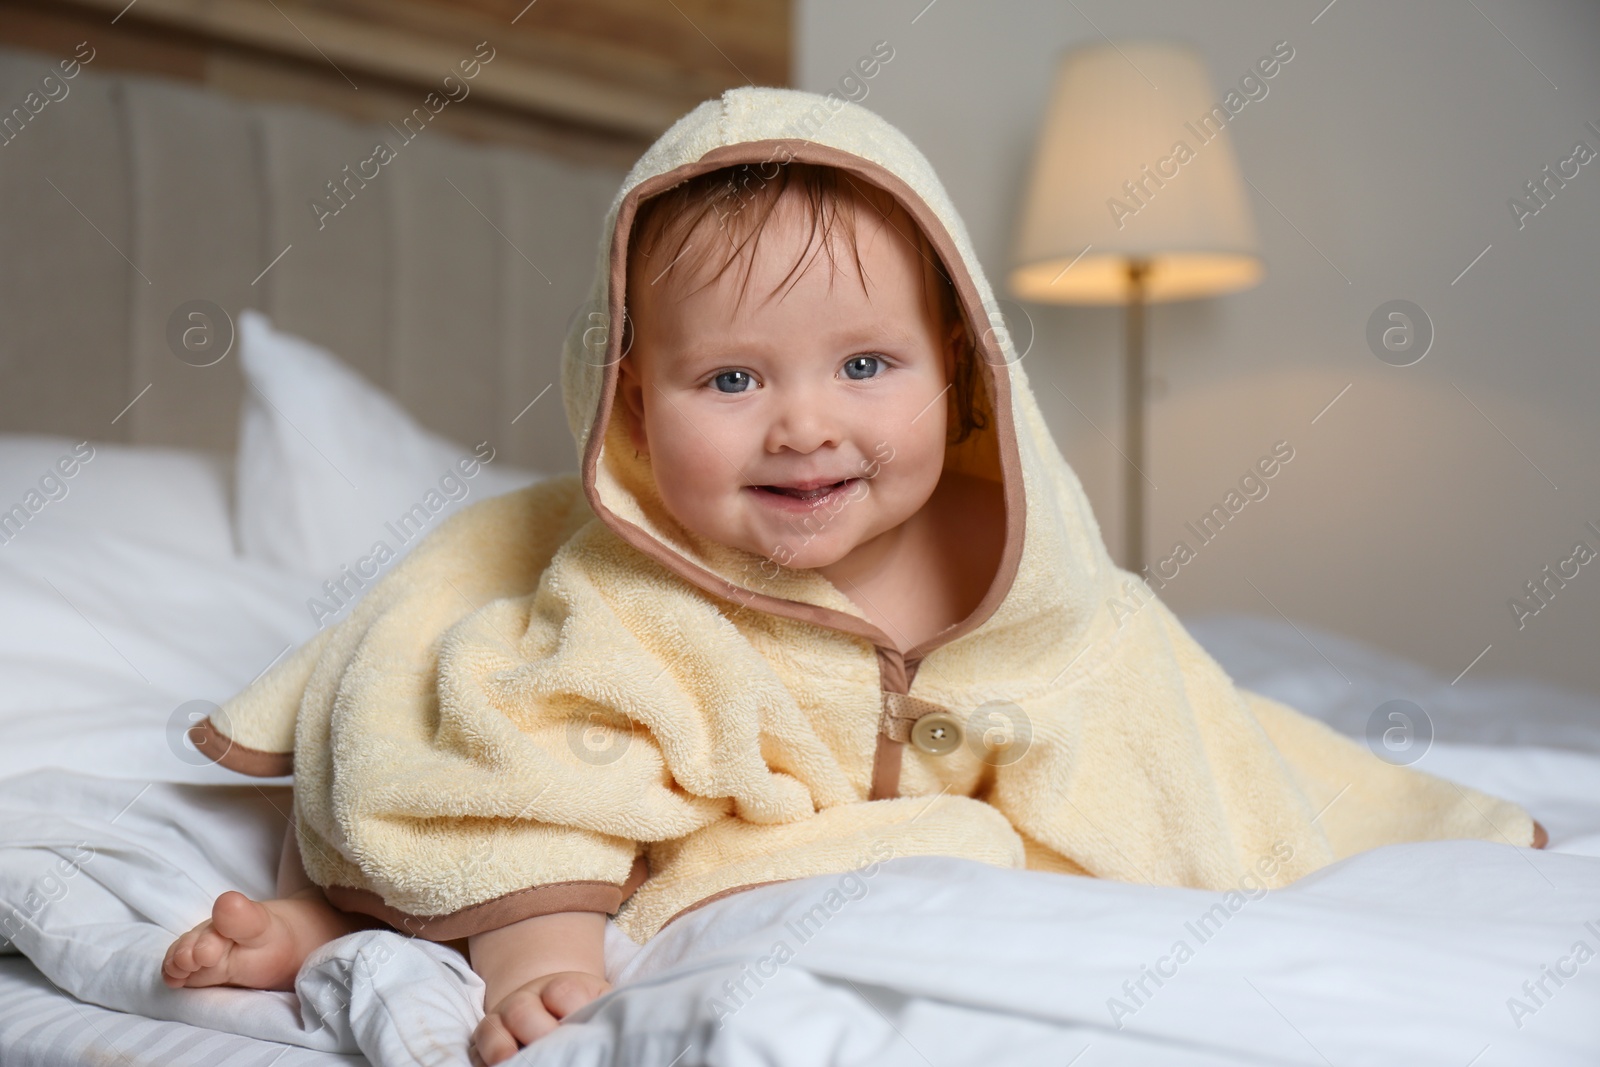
point(804, 421)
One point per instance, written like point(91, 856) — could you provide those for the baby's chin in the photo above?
point(813, 556)
point(805, 540)
point(791, 549)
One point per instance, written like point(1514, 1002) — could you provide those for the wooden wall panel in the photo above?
point(595, 80)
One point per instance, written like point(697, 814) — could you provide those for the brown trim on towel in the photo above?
point(503, 910)
point(886, 760)
point(895, 675)
point(902, 711)
point(224, 750)
point(703, 901)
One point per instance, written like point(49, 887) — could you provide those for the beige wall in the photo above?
point(1423, 500)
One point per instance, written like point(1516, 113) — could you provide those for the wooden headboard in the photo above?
point(447, 278)
point(185, 161)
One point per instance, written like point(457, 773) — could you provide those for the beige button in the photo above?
point(937, 734)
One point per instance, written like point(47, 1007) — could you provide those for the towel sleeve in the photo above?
point(485, 738)
point(446, 780)
point(504, 782)
point(504, 795)
point(253, 732)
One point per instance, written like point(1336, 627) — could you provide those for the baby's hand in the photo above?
point(532, 1010)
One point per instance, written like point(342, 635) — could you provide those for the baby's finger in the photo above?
point(567, 994)
point(492, 1042)
point(526, 1017)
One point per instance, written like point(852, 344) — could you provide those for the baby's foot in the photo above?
point(254, 944)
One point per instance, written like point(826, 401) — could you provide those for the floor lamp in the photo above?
point(1135, 198)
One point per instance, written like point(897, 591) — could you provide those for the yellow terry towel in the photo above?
point(562, 700)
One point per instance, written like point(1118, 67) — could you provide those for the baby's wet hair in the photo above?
point(740, 200)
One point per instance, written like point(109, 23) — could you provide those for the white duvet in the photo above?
point(1420, 954)
point(1447, 953)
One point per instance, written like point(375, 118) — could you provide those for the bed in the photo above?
point(172, 546)
point(130, 609)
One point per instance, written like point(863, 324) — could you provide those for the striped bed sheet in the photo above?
point(40, 1026)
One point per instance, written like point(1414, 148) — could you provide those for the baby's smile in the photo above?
point(807, 495)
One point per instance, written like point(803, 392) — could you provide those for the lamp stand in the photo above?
point(1133, 420)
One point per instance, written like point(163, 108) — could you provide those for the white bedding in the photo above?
point(1411, 954)
point(1408, 954)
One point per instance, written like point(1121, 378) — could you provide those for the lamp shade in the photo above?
point(1135, 171)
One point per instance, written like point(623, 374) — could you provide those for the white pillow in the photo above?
point(332, 471)
point(168, 496)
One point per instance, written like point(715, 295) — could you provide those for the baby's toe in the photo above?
point(209, 949)
point(180, 954)
point(180, 970)
point(238, 918)
point(172, 950)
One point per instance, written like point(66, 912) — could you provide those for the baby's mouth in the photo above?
point(805, 492)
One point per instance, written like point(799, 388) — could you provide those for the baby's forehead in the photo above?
point(696, 259)
point(733, 313)
point(749, 273)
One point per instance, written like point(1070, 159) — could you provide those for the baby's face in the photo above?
point(804, 421)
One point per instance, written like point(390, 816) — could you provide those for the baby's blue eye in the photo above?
point(732, 381)
point(859, 367)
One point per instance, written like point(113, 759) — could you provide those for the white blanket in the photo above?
point(1412, 954)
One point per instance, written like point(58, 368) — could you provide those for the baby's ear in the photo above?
point(952, 348)
point(630, 391)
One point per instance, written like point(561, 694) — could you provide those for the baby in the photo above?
point(844, 591)
point(764, 383)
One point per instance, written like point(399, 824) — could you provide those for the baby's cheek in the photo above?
point(901, 494)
